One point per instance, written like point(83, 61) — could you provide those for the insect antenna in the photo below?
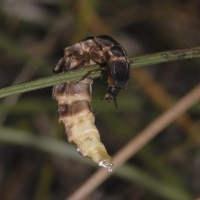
point(116, 106)
point(109, 100)
point(100, 109)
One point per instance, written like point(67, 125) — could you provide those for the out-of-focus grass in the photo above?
point(21, 55)
point(61, 148)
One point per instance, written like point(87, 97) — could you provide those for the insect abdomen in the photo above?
point(74, 110)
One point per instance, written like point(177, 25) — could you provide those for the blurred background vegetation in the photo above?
point(36, 161)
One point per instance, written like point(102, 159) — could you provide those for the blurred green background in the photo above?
point(36, 160)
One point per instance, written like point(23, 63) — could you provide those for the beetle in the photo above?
point(102, 50)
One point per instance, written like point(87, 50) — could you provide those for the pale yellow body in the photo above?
point(79, 119)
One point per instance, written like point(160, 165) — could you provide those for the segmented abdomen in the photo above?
point(75, 111)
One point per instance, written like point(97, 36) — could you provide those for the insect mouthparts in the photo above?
point(109, 97)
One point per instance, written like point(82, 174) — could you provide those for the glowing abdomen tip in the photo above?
point(108, 164)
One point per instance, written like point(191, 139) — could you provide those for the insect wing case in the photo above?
point(120, 73)
point(74, 110)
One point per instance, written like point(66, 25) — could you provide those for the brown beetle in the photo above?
point(102, 50)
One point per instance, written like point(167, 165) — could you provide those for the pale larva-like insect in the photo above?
point(74, 108)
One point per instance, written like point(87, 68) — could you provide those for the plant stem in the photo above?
point(165, 56)
point(139, 61)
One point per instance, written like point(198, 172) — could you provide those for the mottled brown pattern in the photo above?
point(103, 50)
point(75, 108)
point(78, 89)
point(59, 89)
point(63, 110)
point(79, 107)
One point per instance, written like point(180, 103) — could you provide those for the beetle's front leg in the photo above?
point(89, 73)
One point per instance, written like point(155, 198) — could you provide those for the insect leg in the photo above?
point(89, 73)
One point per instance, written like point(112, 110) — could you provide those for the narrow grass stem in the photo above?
point(139, 61)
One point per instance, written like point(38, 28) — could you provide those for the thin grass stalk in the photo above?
point(140, 61)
